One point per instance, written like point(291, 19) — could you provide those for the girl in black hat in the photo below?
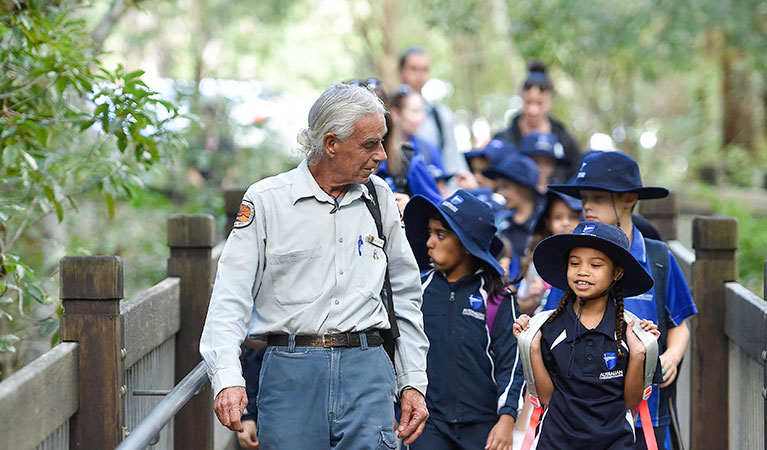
point(475, 378)
point(587, 363)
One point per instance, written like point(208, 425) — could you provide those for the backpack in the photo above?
point(524, 343)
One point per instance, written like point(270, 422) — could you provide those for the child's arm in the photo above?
point(543, 383)
point(634, 378)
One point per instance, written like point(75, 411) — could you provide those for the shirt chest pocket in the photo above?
point(368, 266)
point(297, 277)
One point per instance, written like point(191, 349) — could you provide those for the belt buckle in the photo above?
point(323, 341)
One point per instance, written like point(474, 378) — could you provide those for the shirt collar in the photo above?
point(606, 325)
point(304, 186)
point(637, 248)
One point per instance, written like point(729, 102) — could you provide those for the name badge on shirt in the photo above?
point(375, 241)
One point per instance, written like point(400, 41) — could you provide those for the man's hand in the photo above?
point(247, 437)
point(502, 435)
point(229, 405)
point(414, 415)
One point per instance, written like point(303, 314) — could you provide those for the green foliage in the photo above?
point(69, 128)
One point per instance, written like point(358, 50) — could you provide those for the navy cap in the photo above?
point(551, 255)
point(609, 171)
point(494, 151)
point(545, 144)
point(515, 167)
point(468, 217)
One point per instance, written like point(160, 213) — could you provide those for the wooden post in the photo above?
point(662, 213)
point(91, 289)
point(714, 240)
point(190, 238)
point(232, 201)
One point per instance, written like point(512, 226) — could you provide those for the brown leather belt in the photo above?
point(326, 340)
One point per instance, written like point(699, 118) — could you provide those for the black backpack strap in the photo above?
point(386, 293)
point(657, 255)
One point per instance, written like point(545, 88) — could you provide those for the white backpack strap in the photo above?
point(650, 345)
point(524, 342)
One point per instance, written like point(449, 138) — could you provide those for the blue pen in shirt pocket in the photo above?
point(359, 245)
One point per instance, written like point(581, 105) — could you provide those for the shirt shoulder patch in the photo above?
point(244, 215)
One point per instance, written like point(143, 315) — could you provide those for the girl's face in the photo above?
point(546, 165)
point(590, 272)
point(513, 192)
point(598, 206)
point(536, 107)
point(446, 251)
point(411, 115)
point(561, 218)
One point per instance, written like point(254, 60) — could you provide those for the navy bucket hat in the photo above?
point(494, 152)
point(469, 218)
point(545, 144)
point(609, 171)
point(517, 168)
point(551, 255)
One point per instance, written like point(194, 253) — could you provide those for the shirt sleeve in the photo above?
point(509, 375)
point(238, 275)
point(679, 302)
point(412, 345)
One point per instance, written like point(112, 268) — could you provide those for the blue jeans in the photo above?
point(321, 398)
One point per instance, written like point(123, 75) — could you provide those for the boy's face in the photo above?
point(546, 165)
point(479, 164)
point(561, 218)
point(598, 206)
point(590, 272)
point(513, 192)
point(445, 249)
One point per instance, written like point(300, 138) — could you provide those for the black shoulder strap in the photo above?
point(386, 293)
point(657, 255)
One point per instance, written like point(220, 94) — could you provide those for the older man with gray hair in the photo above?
point(307, 259)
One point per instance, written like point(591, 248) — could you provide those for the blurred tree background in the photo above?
point(116, 113)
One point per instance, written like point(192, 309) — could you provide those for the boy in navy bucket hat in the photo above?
point(547, 152)
point(588, 361)
point(475, 380)
point(516, 179)
point(609, 184)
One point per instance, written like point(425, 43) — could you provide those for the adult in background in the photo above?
point(437, 128)
point(305, 252)
point(537, 93)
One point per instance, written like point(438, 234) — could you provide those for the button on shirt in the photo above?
point(302, 270)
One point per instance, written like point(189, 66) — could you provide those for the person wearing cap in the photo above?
point(588, 363)
point(474, 377)
point(516, 179)
point(312, 257)
point(546, 151)
point(561, 214)
point(609, 185)
point(537, 95)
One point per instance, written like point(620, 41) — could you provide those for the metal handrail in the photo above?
point(154, 422)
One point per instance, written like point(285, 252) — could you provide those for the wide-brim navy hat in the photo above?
point(551, 256)
point(468, 217)
point(515, 167)
point(545, 144)
point(612, 172)
point(494, 151)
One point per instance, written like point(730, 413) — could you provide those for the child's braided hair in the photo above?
point(569, 295)
point(620, 322)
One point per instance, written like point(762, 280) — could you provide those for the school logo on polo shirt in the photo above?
point(475, 301)
point(610, 360)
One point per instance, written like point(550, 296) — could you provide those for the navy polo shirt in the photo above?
point(587, 408)
point(679, 306)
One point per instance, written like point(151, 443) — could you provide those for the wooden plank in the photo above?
point(745, 318)
point(150, 318)
point(662, 213)
point(37, 399)
point(685, 257)
point(190, 260)
point(715, 241)
point(91, 318)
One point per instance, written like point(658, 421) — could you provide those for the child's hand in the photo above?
point(636, 347)
point(502, 434)
point(648, 325)
point(522, 324)
point(247, 437)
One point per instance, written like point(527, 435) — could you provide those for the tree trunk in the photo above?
point(738, 120)
point(389, 66)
